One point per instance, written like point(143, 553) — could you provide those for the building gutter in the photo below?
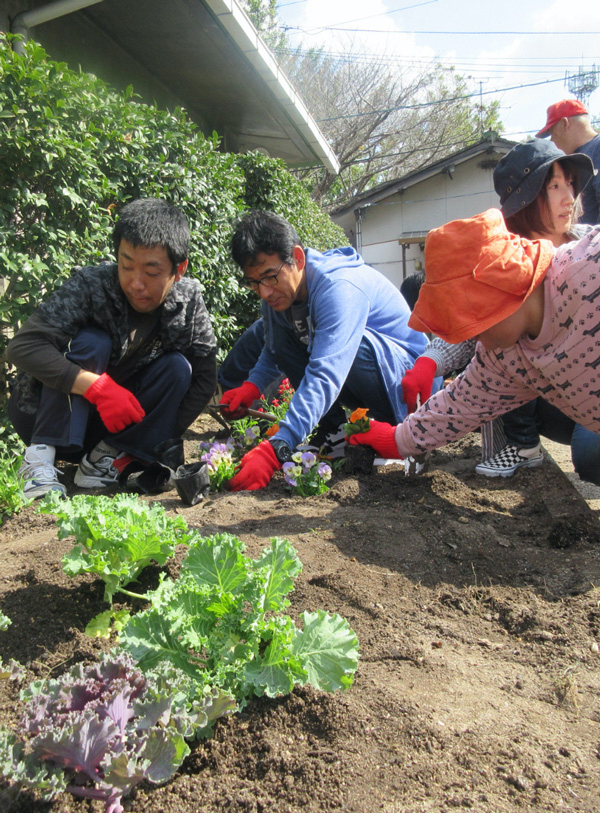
point(239, 27)
point(51, 11)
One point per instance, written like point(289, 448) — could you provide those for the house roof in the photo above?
point(203, 55)
point(491, 146)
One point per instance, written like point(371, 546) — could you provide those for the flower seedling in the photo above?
point(221, 458)
point(279, 406)
point(306, 475)
point(357, 421)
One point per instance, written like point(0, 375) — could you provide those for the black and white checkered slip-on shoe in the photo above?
point(509, 459)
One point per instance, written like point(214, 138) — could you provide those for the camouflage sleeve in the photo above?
point(38, 349)
point(188, 323)
point(71, 306)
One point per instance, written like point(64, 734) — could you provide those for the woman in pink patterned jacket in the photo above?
point(535, 313)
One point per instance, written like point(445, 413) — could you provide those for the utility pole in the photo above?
point(583, 83)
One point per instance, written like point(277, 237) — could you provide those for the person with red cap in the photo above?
point(533, 309)
point(568, 126)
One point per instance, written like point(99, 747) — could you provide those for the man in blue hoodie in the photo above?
point(337, 328)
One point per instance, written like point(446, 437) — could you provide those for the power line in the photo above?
point(423, 105)
point(313, 32)
point(473, 65)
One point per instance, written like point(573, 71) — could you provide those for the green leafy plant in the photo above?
point(5, 621)
point(221, 622)
point(116, 537)
point(12, 496)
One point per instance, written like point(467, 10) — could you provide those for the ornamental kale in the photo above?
point(117, 537)
point(306, 475)
point(221, 623)
point(108, 724)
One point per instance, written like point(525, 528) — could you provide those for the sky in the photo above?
point(516, 52)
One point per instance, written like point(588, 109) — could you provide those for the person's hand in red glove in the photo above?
point(380, 437)
point(117, 406)
point(256, 468)
point(417, 383)
point(234, 403)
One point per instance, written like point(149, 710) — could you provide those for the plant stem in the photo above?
point(131, 594)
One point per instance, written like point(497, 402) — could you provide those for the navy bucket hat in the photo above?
point(519, 175)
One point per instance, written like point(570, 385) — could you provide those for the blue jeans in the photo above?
point(524, 425)
point(73, 425)
point(242, 357)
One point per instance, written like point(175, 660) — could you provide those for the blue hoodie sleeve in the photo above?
point(340, 315)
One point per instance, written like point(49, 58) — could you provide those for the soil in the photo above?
point(477, 606)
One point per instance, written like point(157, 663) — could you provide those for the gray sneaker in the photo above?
point(39, 475)
point(509, 459)
point(96, 469)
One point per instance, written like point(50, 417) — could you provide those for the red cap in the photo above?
point(561, 110)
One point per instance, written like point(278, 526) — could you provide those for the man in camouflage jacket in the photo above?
point(119, 359)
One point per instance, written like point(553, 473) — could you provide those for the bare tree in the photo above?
point(382, 122)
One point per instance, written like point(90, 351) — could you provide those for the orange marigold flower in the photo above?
point(272, 430)
point(358, 414)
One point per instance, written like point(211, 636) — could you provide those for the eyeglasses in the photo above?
point(269, 281)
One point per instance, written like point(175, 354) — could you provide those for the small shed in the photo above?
point(388, 224)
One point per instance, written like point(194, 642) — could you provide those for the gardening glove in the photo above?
point(417, 383)
point(256, 468)
point(234, 403)
point(117, 406)
point(380, 436)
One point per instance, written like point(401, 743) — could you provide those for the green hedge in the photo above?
point(74, 151)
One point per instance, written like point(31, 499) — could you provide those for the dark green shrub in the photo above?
point(74, 151)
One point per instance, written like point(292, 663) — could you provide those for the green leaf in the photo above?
point(149, 637)
point(328, 650)
point(100, 625)
point(217, 561)
point(281, 565)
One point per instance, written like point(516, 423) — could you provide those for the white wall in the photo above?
point(421, 207)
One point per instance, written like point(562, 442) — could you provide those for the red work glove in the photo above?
point(418, 382)
point(237, 401)
point(117, 406)
point(380, 436)
point(256, 468)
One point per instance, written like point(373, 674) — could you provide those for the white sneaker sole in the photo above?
point(41, 489)
point(490, 472)
point(89, 481)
